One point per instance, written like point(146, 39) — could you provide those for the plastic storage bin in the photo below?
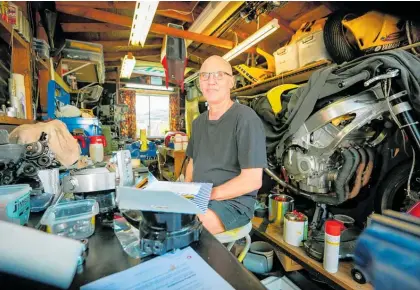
point(90, 126)
point(74, 219)
point(286, 58)
point(311, 45)
point(15, 204)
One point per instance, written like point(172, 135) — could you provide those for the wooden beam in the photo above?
point(125, 21)
point(284, 25)
point(314, 14)
point(175, 15)
point(163, 5)
point(91, 27)
point(130, 5)
point(137, 54)
point(122, 45)
point(110, 64)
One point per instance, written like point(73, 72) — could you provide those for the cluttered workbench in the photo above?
point(340, 280)
point(106, 256)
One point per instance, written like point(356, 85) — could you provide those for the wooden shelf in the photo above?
point(296, 76)
point(43, 65)
point(342, 278)
point(6, 31)
point(14, 121)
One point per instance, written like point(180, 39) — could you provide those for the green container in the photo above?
point(106, 131)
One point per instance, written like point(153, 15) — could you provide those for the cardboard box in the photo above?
point(288, 264)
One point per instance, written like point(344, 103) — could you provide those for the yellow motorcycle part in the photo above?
point(274, 96)
point(253, 74)
point(375, 29)
point(337, 121)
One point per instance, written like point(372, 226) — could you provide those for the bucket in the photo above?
point(259, 258)
point(278, 206)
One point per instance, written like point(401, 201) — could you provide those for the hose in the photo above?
point(359, 174)
point(369, 167)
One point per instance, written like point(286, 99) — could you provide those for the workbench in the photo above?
point(340, 280)
point(170, 162)
point(106, 256)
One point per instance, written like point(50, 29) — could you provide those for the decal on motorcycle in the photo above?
point(393, 36)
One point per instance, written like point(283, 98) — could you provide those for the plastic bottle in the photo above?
point(184, 142)
point(96, 148)
point(178, 142)
point(332, 245)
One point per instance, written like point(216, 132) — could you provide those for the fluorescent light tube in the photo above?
point(127, 66)
point(255, 38)
point(149, 87)
point(142, 20)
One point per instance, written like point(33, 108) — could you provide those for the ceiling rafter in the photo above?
point(125, 21)
point(284, 25)
point(162, 10)
point(122, 45)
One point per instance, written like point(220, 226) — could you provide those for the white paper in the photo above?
point(177, 187)
point(183, 270)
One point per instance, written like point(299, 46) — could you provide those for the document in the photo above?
point(182, 270)
point(177, 187)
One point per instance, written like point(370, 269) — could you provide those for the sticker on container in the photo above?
point(19, 209)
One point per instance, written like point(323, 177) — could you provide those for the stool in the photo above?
point(230, 237)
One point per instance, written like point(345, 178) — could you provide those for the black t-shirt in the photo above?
point(221, 148)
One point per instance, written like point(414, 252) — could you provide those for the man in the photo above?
point(226, 148)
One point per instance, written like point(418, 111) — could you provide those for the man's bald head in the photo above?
point(216, 63)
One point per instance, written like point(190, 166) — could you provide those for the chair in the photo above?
point(230, 237)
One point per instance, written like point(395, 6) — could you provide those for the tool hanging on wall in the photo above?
point(174, 58)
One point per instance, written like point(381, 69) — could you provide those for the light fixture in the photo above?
point(127, 66)
point(255, 38)
point(148, 87)
point(142, 20)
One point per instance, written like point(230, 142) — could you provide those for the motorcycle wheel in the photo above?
point(336, 39)
point(392, 193)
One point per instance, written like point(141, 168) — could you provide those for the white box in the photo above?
point(311, 48)
point(286, 58)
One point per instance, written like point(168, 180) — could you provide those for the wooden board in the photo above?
point(87, 74)
point(295, 76)
point(342, 277)
point(14, 121)
point(6, 31)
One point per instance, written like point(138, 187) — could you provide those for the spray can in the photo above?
point(332, 245)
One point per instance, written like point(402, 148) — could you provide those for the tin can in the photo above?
point(295, 229)
point(278, 206)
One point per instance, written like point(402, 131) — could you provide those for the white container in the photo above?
point(178, 142)
point(75, 219)
point(19, 88)
point(295, 229)
point(332, 245)
point(184, 142)
point(312, 48)
point(286, 58)
point(96, 148)
point(15, 203)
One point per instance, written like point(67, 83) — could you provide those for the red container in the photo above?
point(415, 210)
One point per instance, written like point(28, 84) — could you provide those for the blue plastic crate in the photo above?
point(90, 126)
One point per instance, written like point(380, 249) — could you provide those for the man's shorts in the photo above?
point(234, 213)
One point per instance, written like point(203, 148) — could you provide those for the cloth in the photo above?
point(234, 213)
point(324, 83)
point(60, 141)
point(221, 148)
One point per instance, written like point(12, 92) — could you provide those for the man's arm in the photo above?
point(189, 171)
point(248, 180)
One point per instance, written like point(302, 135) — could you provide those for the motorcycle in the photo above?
point(350, 135)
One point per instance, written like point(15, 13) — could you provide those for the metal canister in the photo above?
point(278, 206)
point(295, 229)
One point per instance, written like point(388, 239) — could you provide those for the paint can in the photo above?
point(278, 206)
point(295, 229)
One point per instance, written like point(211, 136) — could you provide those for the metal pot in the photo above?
point(278, 208)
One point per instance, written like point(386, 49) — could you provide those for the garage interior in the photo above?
point(98, 104)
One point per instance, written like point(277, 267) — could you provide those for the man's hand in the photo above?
point(249, 180)
point(189, 171)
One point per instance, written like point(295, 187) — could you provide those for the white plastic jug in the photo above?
point(96, 148)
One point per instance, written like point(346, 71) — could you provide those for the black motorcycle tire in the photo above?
point(335, 39)
point(392, 185)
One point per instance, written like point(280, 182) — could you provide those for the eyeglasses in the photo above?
point(218, 75)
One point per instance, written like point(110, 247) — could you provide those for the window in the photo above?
point(152, 114)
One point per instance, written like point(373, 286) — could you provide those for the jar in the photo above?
point(96, 148)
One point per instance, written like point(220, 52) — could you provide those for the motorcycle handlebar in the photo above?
point(362, 76)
